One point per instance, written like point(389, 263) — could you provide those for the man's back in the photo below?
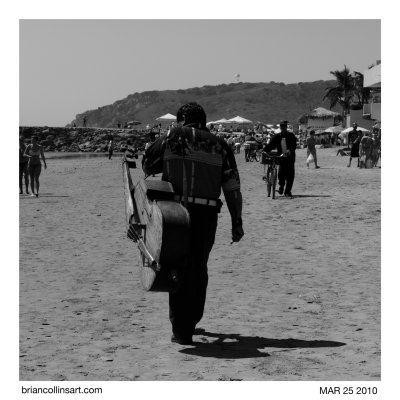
point(310, 143)
point(194, 161)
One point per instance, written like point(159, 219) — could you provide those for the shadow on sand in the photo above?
point(310, 195)
point(28, 196)
point(235, 346)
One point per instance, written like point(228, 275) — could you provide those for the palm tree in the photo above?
point(343, 92)
point(360, 92)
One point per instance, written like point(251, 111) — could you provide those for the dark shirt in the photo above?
point(276, 143)
point(310, 143)
point(353, 135)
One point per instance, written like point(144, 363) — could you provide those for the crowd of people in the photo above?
point(364, 146)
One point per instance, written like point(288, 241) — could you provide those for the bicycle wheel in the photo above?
point(273, 181)
point(269, 182)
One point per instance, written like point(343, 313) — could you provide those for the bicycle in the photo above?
point(255, 153)
point(271, 176)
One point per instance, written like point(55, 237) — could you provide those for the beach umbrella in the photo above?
point(334, 129)
point(359, 128)
point(345, 133)
point(166, 117)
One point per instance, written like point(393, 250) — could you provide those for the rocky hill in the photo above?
point(266, 102)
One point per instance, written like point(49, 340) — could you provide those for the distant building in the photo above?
point(318, 119)
point(371, 112)
point(372, 80)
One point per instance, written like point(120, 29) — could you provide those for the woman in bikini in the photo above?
point(34, 152)
point(23, 167)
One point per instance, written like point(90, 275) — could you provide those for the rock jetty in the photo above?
point(84, 139)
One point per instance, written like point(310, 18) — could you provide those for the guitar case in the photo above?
point(164, 225)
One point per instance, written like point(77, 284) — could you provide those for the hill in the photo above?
point(266, 102)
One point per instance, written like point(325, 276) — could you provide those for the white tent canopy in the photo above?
point(218, 122)
point(166, 117)
point(239, 120)
point(222, 121)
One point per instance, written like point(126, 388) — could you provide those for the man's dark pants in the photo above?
point(286, 174)
point(186, 302)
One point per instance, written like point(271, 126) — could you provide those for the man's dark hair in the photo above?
point(192, 113)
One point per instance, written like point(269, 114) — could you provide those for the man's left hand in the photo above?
point(237, 230)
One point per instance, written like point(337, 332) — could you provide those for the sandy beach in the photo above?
point(297, 299)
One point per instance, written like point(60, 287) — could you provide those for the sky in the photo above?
point(69, 66)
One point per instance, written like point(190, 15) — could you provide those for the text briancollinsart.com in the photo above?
point(60, 390)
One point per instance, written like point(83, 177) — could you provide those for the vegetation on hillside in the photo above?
point(266, 102)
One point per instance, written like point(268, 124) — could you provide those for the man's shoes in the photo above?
point(317, 167)
point(280, 190)
point(184, 340)
point(289, 194)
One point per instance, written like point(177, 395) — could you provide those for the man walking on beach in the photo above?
point(311, 148)
point(198, 164)
point(285, 142)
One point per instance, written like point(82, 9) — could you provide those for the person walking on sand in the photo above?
point(311, 148)
point(34, 152)
point(285, 142)
point(190, 146)
point(23, 166)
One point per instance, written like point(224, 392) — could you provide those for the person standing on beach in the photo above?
point(311, 148)
point(249, 142)
point(23, 166)
point(366, 146)
point(285, 142)
point(355, 148)
point(110, 148)
point(190, 146)
point(352, 137)
point(376, 147)
point(34, 152)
